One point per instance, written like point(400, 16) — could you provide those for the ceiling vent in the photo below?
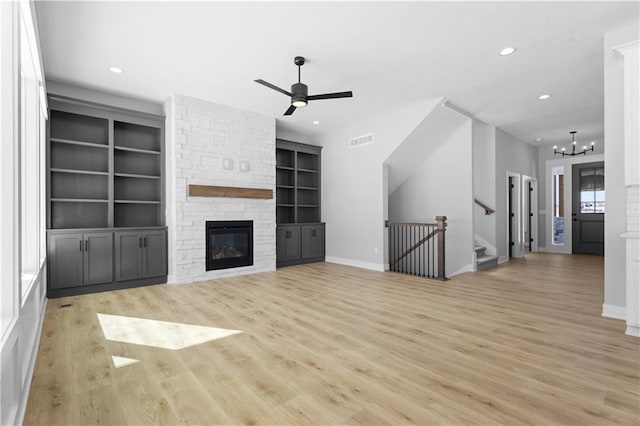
point(360, 141)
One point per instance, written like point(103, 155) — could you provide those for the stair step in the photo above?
point(486, 262)
point(480, 251)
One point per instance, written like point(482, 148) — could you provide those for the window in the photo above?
point(31, 147)
point(592, 190)
point(558, 206)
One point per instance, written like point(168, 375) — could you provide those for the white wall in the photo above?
point(512, 155)
point(21, 314)
point(354, 188)
point(616, 194)
point(442, 186)
point(484, 182)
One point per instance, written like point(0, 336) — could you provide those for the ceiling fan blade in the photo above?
point(271, 86)
point(290, 110)
point(336, 95)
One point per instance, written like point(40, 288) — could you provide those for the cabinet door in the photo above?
point(128, 255)
point(65, 260)
point(287, 243)
point(312, 241)
point(98, 258)
point(154, 257)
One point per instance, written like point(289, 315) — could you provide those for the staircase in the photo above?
point(483, 260)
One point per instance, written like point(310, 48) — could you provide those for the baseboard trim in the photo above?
point(503, 259)
point(355, 263)
point(633, 330)
point(614, 311)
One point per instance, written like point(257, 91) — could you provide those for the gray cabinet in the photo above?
point(287, 243)
point(141, 254)
point(299, 234)
point(104, 182)
point(312, 241)
point(296, 244)
point(80, 259)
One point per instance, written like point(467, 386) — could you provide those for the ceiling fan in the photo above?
point(299, 91)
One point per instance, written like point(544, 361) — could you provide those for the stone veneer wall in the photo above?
point(200, 136)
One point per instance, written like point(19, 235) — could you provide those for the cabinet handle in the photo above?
point(80, 245)
point(144, 241)
point(288, 234)
point(313, 233)
point(140, 242)
point(86, 245)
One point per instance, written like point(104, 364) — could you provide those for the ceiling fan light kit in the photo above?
point(300, 92)
point(573, 153)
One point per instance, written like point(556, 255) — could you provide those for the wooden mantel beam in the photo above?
point(229, 192)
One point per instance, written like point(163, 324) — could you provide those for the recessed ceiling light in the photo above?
point(507, 51)
point(543, 97)
point(116, 70)
point(539, 139)
point(316, 122)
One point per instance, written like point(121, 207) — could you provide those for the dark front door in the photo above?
point(588, 208)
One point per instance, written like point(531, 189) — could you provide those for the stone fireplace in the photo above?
point(215, 145)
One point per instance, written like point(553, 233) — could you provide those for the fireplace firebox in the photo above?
point(229, 244)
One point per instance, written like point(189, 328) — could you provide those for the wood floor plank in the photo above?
point(523, 343)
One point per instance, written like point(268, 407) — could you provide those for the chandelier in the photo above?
point(564, 152)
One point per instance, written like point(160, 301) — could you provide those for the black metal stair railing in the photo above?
point(418, 248)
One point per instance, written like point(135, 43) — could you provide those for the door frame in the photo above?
point(568, 207)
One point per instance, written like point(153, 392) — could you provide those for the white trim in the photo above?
point(503, 259)
point(614, 311)
point(626, 48)
point(632, 330)
point(34, 354)
point(356, 263)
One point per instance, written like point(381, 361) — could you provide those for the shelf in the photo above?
point(81, 172)
point(284, 168)
point(137, 137)
point(308, 188)
point(285, 186)
point(76, 127)
point(80, 143)
point(136, 202)
point(131, 175)
point(78, 200)
point(285, 205)
point(308, 205)
point(138, 150)
point(307, 170)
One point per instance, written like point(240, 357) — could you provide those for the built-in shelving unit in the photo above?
point(104, 174)
point(300, 234)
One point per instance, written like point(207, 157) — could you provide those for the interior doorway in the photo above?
point(588, 208)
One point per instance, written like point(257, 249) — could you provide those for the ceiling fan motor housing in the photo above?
point(299, 92)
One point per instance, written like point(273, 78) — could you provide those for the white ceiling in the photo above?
point(389, 54)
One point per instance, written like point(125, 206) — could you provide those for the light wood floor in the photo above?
point(523, 343)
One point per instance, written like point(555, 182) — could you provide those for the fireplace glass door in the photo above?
point(229, 244)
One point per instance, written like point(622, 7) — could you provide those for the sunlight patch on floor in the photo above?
point(121, 361)
point(160, 334)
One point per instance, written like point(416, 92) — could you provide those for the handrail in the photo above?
point(437, 229)
point(487, 210)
